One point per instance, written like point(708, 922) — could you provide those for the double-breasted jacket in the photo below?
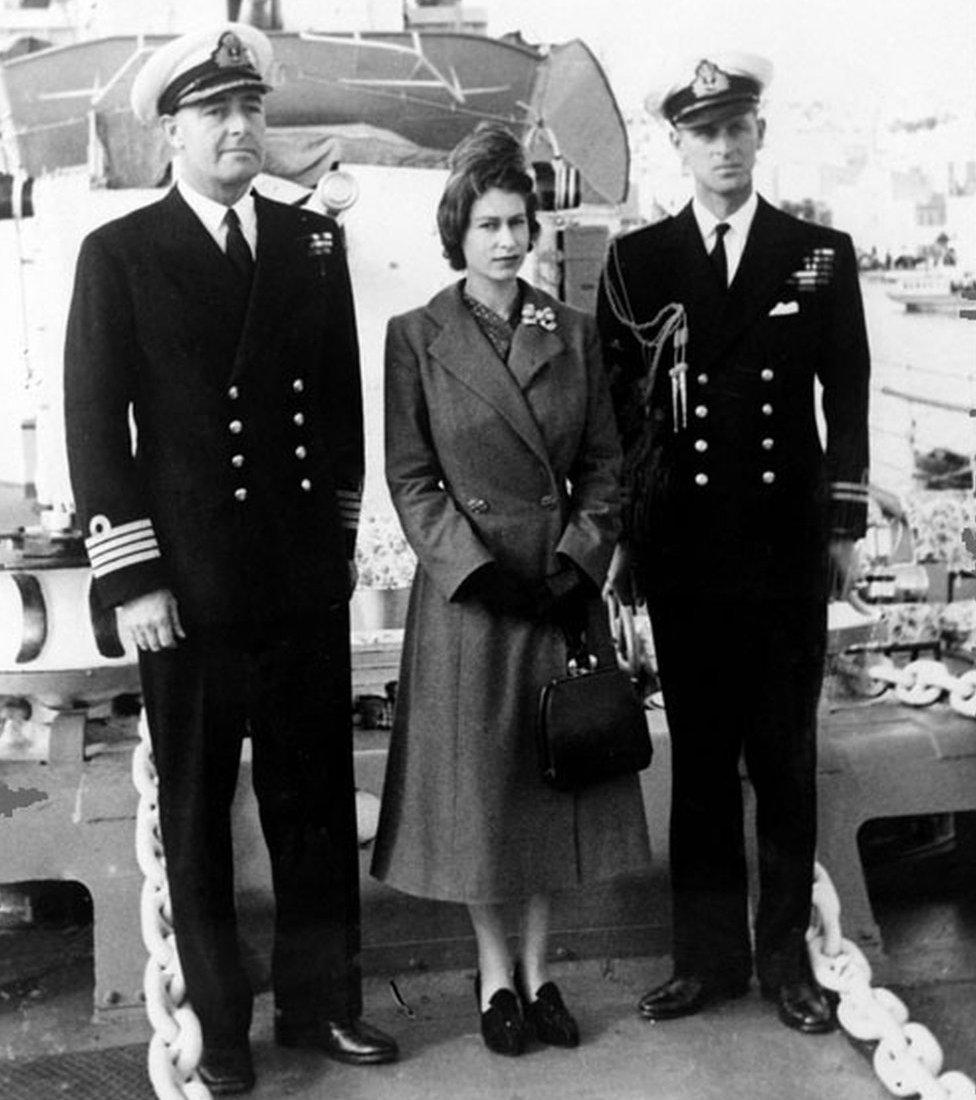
point(214, 435)
point(732, 489)
point(511, 462)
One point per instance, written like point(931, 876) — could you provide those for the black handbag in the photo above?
point(591, 725)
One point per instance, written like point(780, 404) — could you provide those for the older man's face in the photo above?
point(220, 142)
point(722, 154)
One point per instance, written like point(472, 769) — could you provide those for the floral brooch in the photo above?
point(545, 318)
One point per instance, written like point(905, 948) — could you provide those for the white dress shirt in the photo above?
point(739, 224)
point(212, 215)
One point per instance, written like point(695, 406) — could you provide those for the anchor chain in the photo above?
point(177, 1042)
point(922, 683)
point(908, 1058)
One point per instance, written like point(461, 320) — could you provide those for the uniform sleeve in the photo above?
point(845, 375)
point(594, 522)
point(444, 541)
point(100, 373)
point(344, 396)
point(623, 358)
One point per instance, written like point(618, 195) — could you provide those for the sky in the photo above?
point(910, 56)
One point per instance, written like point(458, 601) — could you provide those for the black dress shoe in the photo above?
point(503, 1025)
point(803, 1006)
point(548, 1015)
point(354, 1042)
point(686, 995)
point(227, 1071)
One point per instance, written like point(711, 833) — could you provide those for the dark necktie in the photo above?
point(719, 260)
point(238, 251)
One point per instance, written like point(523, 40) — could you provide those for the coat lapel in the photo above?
point(461, 349)
point(773, 250)
point(275, 268)
point(532, 346)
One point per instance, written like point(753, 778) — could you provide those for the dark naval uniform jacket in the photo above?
point(731, 490)
point(239, 484)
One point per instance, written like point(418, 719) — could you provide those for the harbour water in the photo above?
point(930, 356)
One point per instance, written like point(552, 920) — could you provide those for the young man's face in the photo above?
point(220, 142)
point(721, 155)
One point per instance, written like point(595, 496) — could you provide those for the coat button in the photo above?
point(768, 477)
point(701, 411)
point(701, 445)
point(300, 451)
point(237, 461)
point(766, 374)
point(767, 444)
point(240, 494)
point(233, 393)
point(767, 410)
point(236, 426)
point(703, 379)
point(548, 501)
point(479, 506)
point(701, 479)
point(298, 385)
point(305, 484)
point(298, 419)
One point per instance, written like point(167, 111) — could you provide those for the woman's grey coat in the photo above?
point(514, 465)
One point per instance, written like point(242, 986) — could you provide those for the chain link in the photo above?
point(908, 1058)
point(177, 1042)
point(922, 683)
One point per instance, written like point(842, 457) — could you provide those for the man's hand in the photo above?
point(152, 621)
point(620, 575)
point(843, 563)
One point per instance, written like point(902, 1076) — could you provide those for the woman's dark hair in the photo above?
point(489, 157)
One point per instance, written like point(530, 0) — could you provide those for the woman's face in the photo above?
point(497, 237)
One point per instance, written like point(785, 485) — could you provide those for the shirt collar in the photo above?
point(212, 213)
point(739, 223)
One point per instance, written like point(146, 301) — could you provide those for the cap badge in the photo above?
point(709, 80)
point(231, 53)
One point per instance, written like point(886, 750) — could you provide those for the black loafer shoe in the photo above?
point(227, 1071)
point(548, 1015)
point(684, 996)
point(503, 1025)
point(354, 1042)
point(802, 1006)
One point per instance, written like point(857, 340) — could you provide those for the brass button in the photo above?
point(233, 393)
point(767, 444)
point(703, 379)
point(768, 477)
point(298, 419)
point(701, 479)
point(767, 410)
point(547, 501)
point(237, 461)
point(236, 427)
point(240, 494)
point(305, 484)
point(298, 385)
point(766, 375)
point(701, 445)
point(300, 451)
point(701, 411)
point(479, 506)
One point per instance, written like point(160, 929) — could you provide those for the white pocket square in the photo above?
point(784, 309)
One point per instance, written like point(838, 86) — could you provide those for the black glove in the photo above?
point(503, 593)
point(571, 590)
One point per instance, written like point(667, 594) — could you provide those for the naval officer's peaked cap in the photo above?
point(711, 87)
point(198, 66)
